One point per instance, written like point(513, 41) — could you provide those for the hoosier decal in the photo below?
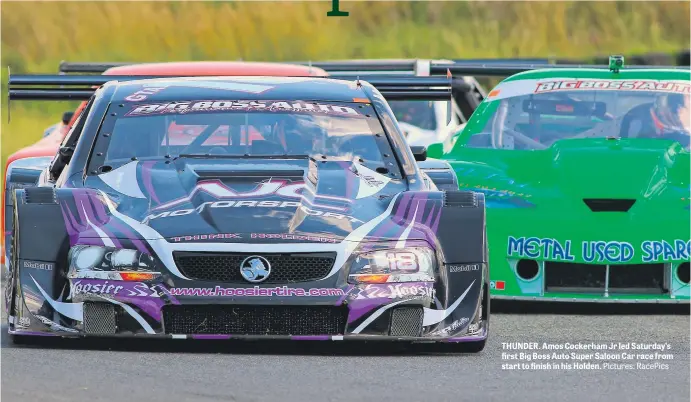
point(395, 291)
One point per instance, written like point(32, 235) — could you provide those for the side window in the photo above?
point(76, 129)
point(63, 156)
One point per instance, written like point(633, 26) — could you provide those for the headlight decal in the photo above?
point(110, 263)
point(385, 263)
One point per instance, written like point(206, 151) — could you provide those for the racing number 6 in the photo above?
point(335, 10)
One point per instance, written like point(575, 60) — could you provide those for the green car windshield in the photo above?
point(535, 117)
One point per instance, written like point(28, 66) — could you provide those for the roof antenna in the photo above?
point(357, 82)
point(309, 63)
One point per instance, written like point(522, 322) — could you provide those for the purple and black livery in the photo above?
point(216, 246)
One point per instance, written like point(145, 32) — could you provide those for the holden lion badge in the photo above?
point(255, 269)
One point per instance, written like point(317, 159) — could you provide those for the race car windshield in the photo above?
point(416, 113)
point(247, 129)
point(538, 119)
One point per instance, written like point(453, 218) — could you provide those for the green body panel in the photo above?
point(536, 209)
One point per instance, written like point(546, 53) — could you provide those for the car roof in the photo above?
point(215, 68)
point(240, 88)
point(601, 73)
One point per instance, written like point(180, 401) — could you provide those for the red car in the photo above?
point(23, 167)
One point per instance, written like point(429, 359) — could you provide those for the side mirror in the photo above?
point(67, 117)
point(66, 152)
point(435, 150)
point(65, 155)
point(420, 152)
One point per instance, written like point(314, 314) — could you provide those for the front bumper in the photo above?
point(541, 256)
point(476, 337)
point(406, 312)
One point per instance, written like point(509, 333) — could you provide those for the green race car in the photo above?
point(585, 172)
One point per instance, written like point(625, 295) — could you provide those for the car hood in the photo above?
point(237, 200)
point(645, 171)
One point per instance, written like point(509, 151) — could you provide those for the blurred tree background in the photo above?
point(36, 36)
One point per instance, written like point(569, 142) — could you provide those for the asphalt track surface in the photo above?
point(325, 371)
point(200, 371)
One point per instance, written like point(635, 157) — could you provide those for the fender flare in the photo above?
point(40, 237)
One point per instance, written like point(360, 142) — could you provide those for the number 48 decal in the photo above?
point(402, 262)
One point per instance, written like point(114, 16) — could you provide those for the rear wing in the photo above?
point(403, 67)
point(424, 67)
point(80, 67)
point(479, 68)
point(82, 87)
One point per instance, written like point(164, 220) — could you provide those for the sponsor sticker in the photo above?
point(395, 291)
point(473, 328)
point(613, 85)
point(286, 236)
point(451, 328)
point(496, 285)
point(271, 188)
point(212, 236)
point(596, 251)
point(45, 266)
point(181, 107)
point(252, 204)
point(464, 267)
point(256, 291)
point(106, 288)
point(55, 326)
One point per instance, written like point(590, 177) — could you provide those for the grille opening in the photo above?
point(574, 277)
point(637, 278)
point(683, 272)
point(100, 318)
point(225, 267)
point(609, 204)
point(527, 269)
point(254, 320)
point(406, 321)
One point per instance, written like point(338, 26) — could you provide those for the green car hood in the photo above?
point(644, 170)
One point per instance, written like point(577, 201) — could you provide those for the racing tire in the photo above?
point(12, 289)
point(12, 299)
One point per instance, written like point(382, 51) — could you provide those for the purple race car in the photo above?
point(260, 208)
